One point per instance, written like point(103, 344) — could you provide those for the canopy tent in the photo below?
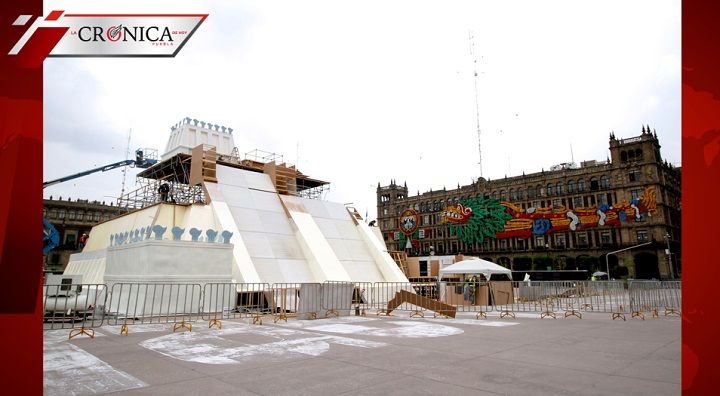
point(476, 266)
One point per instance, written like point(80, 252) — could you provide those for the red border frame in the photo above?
point(701, 168)
point(20, 210)
point(21, 118)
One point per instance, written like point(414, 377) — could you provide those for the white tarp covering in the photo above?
point(475, 266)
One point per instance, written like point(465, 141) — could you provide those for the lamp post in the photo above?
point(607, 261)
point(669, 255)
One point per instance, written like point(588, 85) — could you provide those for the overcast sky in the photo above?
point(361, 92)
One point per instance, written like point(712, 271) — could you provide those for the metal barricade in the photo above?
point(144, 303)
point(362, 295)
point(653, 296)
point(388, 297)
point(303, 300)
point(502, 297)
point(235, 300)
point(466, 297)
point(337, 298)
point(672, 297)
point(79, 307)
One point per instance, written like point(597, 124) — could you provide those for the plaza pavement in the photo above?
point(356, 355)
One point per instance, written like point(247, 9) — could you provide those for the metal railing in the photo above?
point(83, 307)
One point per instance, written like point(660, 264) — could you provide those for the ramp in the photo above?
point(431, 305)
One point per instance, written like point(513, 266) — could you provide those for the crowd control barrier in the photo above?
point(144, 303)
point(79, 307)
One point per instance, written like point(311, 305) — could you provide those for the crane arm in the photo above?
point(104, 168)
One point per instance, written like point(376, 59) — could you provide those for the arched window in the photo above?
point(594, 184)
point(571, 186)
point(638, 154)
point(513, 194)
point(520, 193)
point(531, 192)
point(581, 185)
point(495, 195)
point(550, 189)
point(623, 156)
point(604, 181)
point(503, 195)
point(560, 188)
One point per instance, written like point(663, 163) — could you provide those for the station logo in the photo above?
point(105, 35)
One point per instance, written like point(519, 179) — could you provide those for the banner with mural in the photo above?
point(473, 220)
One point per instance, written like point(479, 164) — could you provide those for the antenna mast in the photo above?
point(124, 169)
point(477, 105)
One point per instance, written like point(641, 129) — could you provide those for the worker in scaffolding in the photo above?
point(164, 191)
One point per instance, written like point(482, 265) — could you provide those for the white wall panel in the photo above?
point(258, 245)
point(231, 176)
point(258, 181)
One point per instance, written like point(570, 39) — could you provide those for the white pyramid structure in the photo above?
point(227, 219)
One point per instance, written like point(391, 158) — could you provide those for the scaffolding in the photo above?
point(178, 180)
point(173, 176)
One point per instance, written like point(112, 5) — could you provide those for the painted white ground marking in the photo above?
point(312, 323)
point(137, 328)
point(406, 329)
point(68, 370)
point(216, 347)
point(482, 322)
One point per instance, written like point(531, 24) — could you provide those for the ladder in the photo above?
point(401, 260)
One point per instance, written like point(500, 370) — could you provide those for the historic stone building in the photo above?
point(566, 218)
point(71, 218)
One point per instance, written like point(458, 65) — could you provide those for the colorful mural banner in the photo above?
point(473, 220)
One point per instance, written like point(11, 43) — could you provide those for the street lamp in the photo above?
point(668, 254)
point(607, 261)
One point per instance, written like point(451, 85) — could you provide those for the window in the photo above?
point(556, 203)
point(61, 214)
point(386, 224)
point(503, 244)
point(604, 181)
point(594, 184)
point(520, 193)
point(423, 268)
point(560, 240)
point(531, 192)
point(578, 202)
point(571, 186)
point(71, 215)
point(513, 194)
point(636, 193)
point(503, 195)
point(550, 189)
point(642, 235)
point(540, 242)
point(385, 211)
point(602, 199)
point(96, 216)
point(634, 175)
point(560, 188)
point(581, 185)
point(520, 243)
point(582, 239)
point(605, 238)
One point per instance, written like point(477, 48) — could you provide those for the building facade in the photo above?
point(72, 218)
point(592, 216)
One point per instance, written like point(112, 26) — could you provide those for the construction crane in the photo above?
point(140, 161)
point(51, 237)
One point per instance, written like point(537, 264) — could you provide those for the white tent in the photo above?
point(475, 266)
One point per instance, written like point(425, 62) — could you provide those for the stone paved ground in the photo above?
point(371, 355)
